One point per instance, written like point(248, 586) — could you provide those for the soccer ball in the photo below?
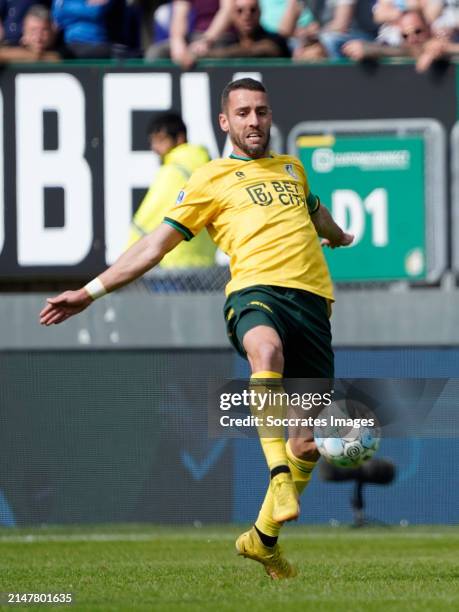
point(348, 445)
point(353, 449)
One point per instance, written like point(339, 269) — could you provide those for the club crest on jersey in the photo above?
point(260, 194)
point(291, 170)
point(180, 197)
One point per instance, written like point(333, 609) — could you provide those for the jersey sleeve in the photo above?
point(312, 200)
point(195, 206)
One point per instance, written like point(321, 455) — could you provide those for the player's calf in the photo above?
point(286, 506)
point(304, 448)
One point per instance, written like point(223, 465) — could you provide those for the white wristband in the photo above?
point(95, 288)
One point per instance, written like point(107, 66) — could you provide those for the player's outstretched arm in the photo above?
point(331, 233)
point(142, 256)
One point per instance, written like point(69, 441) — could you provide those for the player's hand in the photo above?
point(63, 306)
point(344, 240)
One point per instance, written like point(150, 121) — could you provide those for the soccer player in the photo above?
point(258, 208)
point(167, 134)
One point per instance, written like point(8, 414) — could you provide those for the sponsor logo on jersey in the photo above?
point(291, 170)
point(180, 197)
point(286, 192)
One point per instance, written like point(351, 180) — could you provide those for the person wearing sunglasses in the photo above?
point(250, 39)
point(414, 35)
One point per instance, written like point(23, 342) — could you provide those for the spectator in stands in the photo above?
point(12, 13)
point(390, 11)
point(285, 17)
point(38, 39)
point(250, 39)
point(161, 19)
point(443, 15)
point(90, 28)
point(414, 33)
point(147, 10)
point(436, 49)
point(168, 138)
point(211, 19)
point(387, 14)
point(339, 21)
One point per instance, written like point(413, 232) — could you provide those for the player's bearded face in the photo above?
point(248, 121)
point(253, 141)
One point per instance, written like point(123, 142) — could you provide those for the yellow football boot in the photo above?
point(277, 567)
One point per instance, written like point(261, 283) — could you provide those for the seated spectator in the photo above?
point(249, 39)
point(161, 24)
point(12, 13)
point(211, 19)
point(414, 31)
point(386, 13)
point(443, 15)
point(310, 49)
point(414, 34)
point(38, 39)
point(90, 28)
point(285, 17)
point(148, 10)
point(339, 21)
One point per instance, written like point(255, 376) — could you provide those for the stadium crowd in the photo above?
point(186, 31)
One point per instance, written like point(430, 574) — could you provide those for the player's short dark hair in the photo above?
point(246, 83)
point(171, 123)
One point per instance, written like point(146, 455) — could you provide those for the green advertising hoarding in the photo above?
point(378, 183)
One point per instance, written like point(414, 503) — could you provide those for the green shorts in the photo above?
point(300, 318)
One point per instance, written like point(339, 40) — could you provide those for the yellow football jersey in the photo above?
point(257, 212)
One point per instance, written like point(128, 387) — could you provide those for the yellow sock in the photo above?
point(301, 473)
point(301, 470)
point(272, 439)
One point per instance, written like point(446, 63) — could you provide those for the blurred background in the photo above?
point(104, 419)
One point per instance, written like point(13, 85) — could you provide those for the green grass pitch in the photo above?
point(196, 569)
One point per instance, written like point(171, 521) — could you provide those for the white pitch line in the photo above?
point(209, 537)
point(76, 537)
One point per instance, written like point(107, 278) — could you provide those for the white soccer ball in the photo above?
point(346, 446)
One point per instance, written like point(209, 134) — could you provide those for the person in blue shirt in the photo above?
point(90, 28)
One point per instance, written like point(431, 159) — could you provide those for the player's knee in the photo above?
point(268, 355)
point(264, 349)
point(304, 448)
